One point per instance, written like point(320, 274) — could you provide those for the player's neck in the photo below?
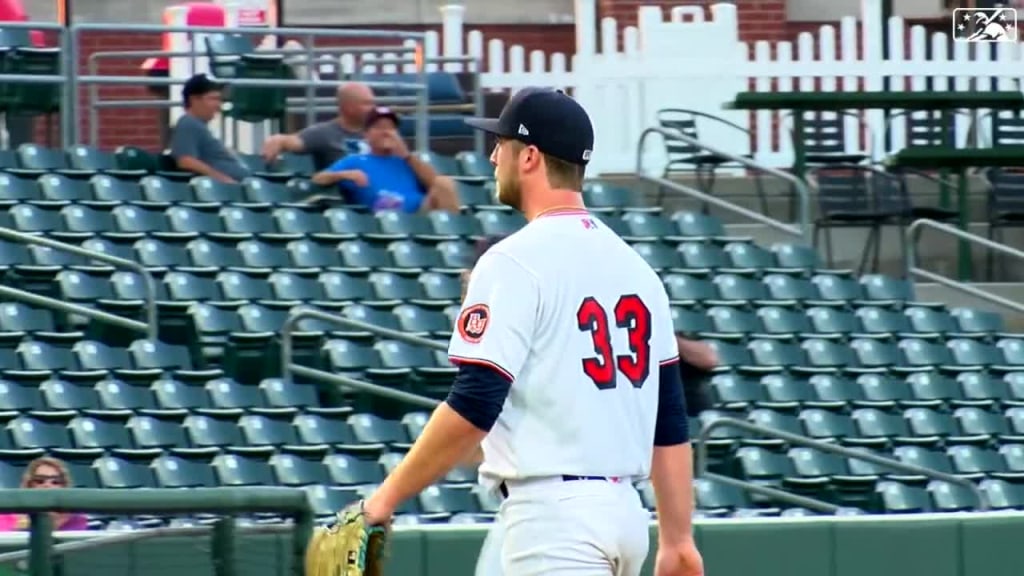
point(557, 200)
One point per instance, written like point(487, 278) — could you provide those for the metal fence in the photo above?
point(407, 48)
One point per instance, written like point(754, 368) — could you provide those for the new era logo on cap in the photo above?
point(558, 125)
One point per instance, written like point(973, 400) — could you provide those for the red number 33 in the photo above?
point(631, 314)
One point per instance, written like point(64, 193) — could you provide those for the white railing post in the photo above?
point(453, 17)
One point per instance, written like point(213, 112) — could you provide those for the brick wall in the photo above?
point(759, 19)
point(144, 126)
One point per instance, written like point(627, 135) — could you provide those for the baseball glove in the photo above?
point(349, 547)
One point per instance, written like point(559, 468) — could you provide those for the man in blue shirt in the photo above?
point(384, 178)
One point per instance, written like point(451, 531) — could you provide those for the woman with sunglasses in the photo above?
point(45, 473)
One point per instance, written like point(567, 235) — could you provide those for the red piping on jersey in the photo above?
point(672, 360)
point(481, 362)
point(563, 212)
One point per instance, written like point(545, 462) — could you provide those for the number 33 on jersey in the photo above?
point(581, 341)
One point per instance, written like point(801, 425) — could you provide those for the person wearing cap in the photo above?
point(193, 146)
point(567, 374)
point(384, 178)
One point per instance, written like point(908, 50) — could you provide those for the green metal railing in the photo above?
point(42, 550)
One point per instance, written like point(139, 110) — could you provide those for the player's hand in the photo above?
point(681, 559)
point(375, 511)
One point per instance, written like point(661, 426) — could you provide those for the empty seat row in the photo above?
point(825, 287)
point(145, 435)
point(719, 321)
point(873, 427)
point(832, 391)
point(871, 354)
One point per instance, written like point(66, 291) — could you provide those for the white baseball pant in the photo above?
point(552, 527)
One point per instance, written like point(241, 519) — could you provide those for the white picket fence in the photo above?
point(687, 61)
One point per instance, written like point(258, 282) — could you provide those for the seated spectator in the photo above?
point(193, 146)
point(327, 142)
point(45, 473)
point(384, 178)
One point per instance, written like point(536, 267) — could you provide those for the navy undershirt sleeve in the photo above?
point(672, 427)
point(478, 394)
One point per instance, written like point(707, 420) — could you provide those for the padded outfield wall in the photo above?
point(918, 545)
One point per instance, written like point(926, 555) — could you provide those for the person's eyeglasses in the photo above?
point(45, 480)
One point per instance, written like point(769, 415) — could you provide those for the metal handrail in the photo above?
point(803, 189)
point(775, 493)
point(914, 234)
point(345, 381)
point(71, 308)
point(705, 435)
point(147, 278)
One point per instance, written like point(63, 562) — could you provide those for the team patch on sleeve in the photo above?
point(473, 322)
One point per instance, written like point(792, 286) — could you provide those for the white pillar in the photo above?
point(452, 19)
point(586, 27)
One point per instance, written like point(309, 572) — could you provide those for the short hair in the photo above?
point(561, 174)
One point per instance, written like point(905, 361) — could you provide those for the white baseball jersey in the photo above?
point(581, 324)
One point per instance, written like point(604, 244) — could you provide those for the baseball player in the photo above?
point(567, 373)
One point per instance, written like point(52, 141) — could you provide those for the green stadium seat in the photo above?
point(132, 218)
point(18, 319)
point(210, 432)
point(361, 254)
point(830, 426)
point(617, 225)
point(740, 288)
point(764, 466)
point(925, 422)
point(474, 194)
point(685, 289)
point(296, 164)
point(281, 393)
point(118, 396)
point(749, 256)
point(15, 189)
point(295, 287)
point(28, 432)
point(659, 256)
point(172, 394)
point(42, 159)
point(474, 165)
point(90, 159)
point(977, 321)
point(949, 497)
point(876, 320)
point(260, 431)
point(931, 321)
point(395, 223)
point(197, 221)
point(352, 223)
point(923, 458)
point(368, 315)
point(873, 354)
point(261, 191)
point(718, 500)
point(10, 475)
point(327, 501)
point(1013, 352)
point(106, 188)
point(294, 471)
point(931, 389)
point(1013, 455)
point(206, 253)
point(296, 220)
point(1002, 495)
point(149, 432)
point(974, 421)
point(456, 254)
point(773, 419)
point(259, 254)
point(971, 353)
point(976, 463)
point(440, 286)
point(119, 248)
point(783, 321)
point(243, 220)
point(444, 223)
point(784, 287)
point(15, 397)
point(310, 254)
point(239, 286)
point(495, 223)
point(410, 254)
point(729, 321)
point(334, 432)
point(729, 354)
point(87, 220)
point(60, 188)
point(419, 320)
point(700, 255)
point(773, 355)
point(118, 473)
point(347, 470)
point(814, 464)
point(919, 353)
point(983, 388)
point(442, 502)
point(898, 498)
point(696, 225)
point(604, 197)
point(225, 393)
point(832, 287)
point(371, 429)
point(883, 288)
point(102, 434)
point(647, 227)
point(796, 256)
point(787, 392)
point(688, 320)
point(207, 189)
point(159, 254)
point(238, 470)
point(176, 472)
point(444, 165)
point(256, 318)
point(161, 190)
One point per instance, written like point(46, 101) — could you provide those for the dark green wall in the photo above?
point(990, 545)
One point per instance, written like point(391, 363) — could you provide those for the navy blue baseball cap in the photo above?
point(548, 119)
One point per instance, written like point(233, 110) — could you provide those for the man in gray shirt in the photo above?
point(327, 142)
point(193, 146)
